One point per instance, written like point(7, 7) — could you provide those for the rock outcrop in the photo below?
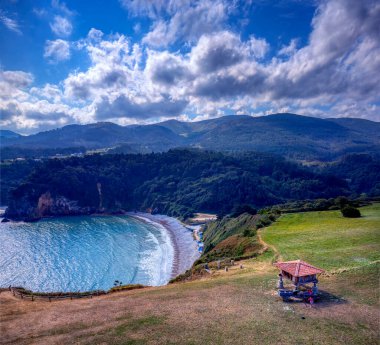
point(46, 206)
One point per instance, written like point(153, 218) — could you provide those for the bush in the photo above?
point(247, 232)
point(350, 212)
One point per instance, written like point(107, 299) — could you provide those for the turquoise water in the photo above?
point(84, 253)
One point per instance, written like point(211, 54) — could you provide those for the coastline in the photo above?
point(184, 246)
point(181, 247)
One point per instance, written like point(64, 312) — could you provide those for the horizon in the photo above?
point(182, 121)
point(143, 62)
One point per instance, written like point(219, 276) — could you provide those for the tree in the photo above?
point(350, 212)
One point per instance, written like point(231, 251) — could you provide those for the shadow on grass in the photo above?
point(328, 299)
point(325, 300)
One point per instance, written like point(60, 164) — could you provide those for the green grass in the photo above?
point(327, 239)
point(238, 307)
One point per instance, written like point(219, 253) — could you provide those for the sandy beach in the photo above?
point(184, 246)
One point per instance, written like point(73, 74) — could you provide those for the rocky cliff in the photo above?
point(46, 206)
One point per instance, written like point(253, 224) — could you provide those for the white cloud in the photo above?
point(56, 51)
point(187, 22)
point(290, 49)
point(61, 7)
point(95, 35)
point(22, 107)
point(9, 23)
point(334, 74)
point(61, 26)
point(259, 47)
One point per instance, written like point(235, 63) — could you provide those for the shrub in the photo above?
point(350, 212)
point(247, 232)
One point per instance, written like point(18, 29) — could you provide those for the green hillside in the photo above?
point(240, 306)
point(290, 135)
point(177, 183)
point(327, 239)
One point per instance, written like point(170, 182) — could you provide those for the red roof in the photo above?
point(298, 268)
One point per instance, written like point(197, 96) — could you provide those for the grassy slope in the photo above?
point(227, 239)
point(326, 239)
point(235, 307)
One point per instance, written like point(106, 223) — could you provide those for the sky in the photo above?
point(145, 61)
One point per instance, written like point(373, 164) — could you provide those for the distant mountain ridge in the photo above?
point(4, 133)
point(294, 136)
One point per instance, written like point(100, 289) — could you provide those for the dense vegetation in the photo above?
point(289, 135)
point(350, 212)
point(177, 183)
point(361, 171)
point(11, 152)
point(233, 237)
point(12, 175)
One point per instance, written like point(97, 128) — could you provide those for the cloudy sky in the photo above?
point(143, 61)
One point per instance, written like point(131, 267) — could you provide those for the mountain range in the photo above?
point(293, 136)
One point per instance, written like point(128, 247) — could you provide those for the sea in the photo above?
point(84, 253)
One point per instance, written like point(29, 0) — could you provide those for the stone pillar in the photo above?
point(280, 283)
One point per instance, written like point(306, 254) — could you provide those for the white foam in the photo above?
point(180, 237)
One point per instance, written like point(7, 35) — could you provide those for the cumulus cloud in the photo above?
point(166, 68)
point(334, 74)
point(61, 26)
point(95, 35)
point(58, 50)
point(289, 49)
point(23, 107)
point(124, 106)
point(187, 20)
point(116, 87)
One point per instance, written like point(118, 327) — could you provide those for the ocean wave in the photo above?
point(86, 253)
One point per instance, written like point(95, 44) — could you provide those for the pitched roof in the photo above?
point(298, 268)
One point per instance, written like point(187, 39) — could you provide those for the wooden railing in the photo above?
point(24, 294)
point(30, 296)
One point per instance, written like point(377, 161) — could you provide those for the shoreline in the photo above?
point(179, 236)
point(184, 246)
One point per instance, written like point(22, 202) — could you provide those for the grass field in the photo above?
point(327, 239)
point(235, 307)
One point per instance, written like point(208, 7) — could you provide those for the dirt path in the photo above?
point(266, 246)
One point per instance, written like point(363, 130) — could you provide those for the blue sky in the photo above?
point(145, 61)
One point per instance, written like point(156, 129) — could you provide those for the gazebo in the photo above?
point(300, 273)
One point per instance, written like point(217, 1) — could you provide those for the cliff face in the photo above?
point(47, 205)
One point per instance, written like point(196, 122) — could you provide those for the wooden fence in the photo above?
point(27, 295)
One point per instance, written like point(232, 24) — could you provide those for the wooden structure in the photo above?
point(300, 273)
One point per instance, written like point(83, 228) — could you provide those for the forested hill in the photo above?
point(176, 183)
point(293, 136)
